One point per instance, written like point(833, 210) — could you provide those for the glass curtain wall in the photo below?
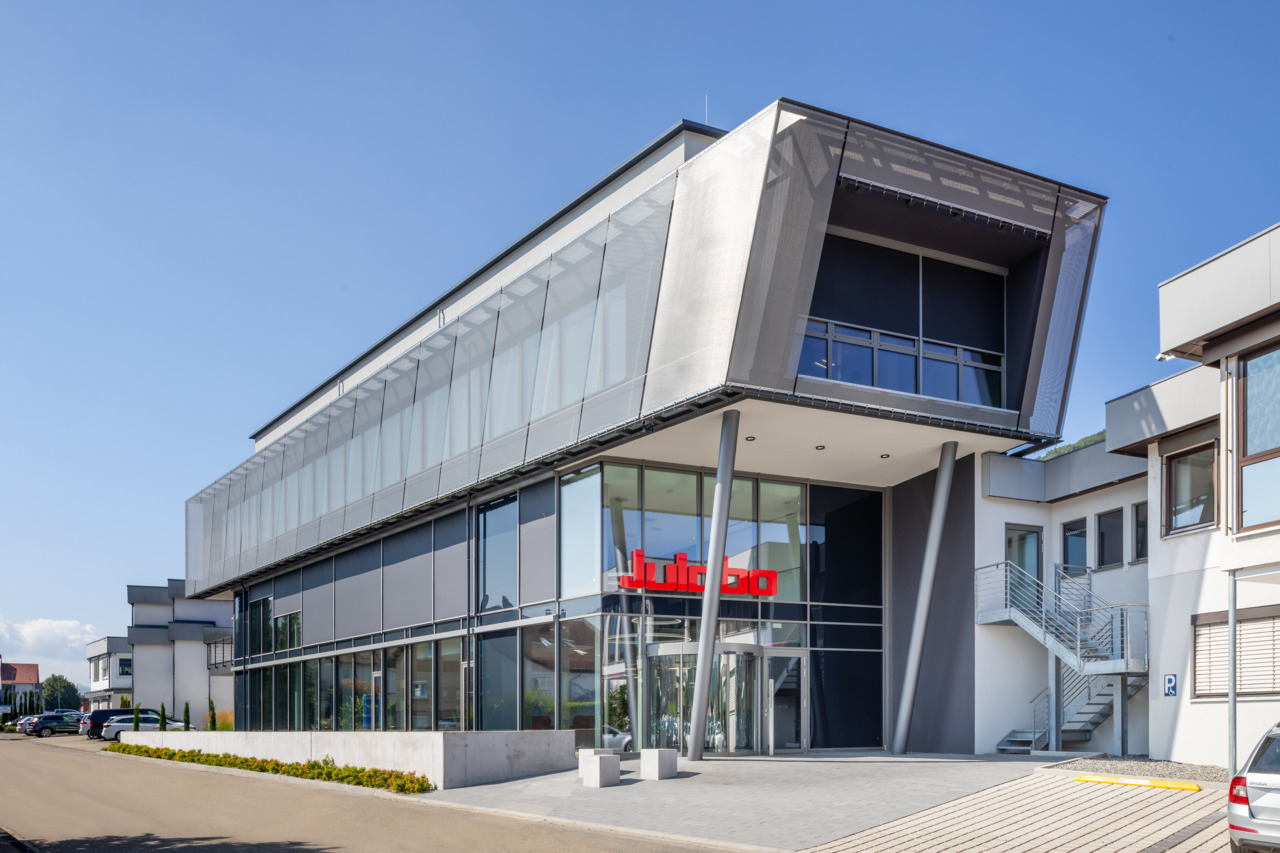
point(538, 651)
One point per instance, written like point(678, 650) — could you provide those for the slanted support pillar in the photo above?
point(1121, 718)
point(715, 576)
point(929, 568)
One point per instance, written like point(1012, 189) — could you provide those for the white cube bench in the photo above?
point(584, 754)
point(599, 771)
point(657, 763)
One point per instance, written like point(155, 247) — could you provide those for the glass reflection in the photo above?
point(671, 520)
point(539, 653)
point(579, 680)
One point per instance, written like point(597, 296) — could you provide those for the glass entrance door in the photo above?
point(784, 705)
point(732, 708)
point(1022, 547)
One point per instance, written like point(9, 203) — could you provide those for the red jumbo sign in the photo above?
point(682, 577)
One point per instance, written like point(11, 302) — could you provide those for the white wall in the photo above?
point(153, 675)
point(190, 679)
point(152, 614)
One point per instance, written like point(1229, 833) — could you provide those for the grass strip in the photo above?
point(327, 770)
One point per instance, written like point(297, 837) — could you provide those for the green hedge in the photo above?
point(327, 770)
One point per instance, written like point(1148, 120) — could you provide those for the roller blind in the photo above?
point(1257, 670)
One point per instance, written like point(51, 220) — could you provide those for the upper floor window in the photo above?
point(1189, 489)
point(1111, 539)
point(126, 666)
point(1075, 546)
point(288, 631)
point(1260, 439)
point(1140, 532)
point(902, 321)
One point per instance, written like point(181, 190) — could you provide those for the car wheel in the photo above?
point(46, 732)
point(629, 747)
point(116, 737)
point(1235, 848)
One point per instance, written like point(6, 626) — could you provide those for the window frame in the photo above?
point(1166, 488)
point(1097, 546)
point(1242, 431)
point(1065, 566)
point(1145, 528)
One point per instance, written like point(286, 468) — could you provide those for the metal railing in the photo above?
point(1075, 620)
point(1041, 719)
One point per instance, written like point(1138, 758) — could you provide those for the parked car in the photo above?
point(22, 722)
point(100, 716)
point(1253, 798)
point(621, 741)
point(149, 722)
point(84, 724)
point(48, 725)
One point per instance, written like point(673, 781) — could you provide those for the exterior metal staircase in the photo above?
point(1098, 642)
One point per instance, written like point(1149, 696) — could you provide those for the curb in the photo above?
point(425, 800)
point(1171, 784)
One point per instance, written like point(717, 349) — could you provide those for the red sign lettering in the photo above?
point(682, 577)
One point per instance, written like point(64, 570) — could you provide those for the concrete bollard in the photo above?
point(584, 754)
point(657, 763)
point(600, 771)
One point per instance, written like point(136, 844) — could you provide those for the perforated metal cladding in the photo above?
point(1082, 219)
point(624, 312)
point(515, 362)
point(468, 394)
point(565, 344)
point(889, 160)
point(317, 603)
point(789, 233)
point(407, 577)
point(712, 223)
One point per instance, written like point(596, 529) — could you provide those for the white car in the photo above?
point(620, 741)
point(146, 723)
point(24, 723)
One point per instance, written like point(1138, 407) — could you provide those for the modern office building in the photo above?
point(499, 517)
point(110, 672)
point(171, 639)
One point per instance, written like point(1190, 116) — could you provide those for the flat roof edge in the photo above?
point(682, 126)
point(1141, 388)
point(1264, 232)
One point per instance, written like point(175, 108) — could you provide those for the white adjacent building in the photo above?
point(110, 672)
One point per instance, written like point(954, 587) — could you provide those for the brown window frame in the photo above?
point(1243, 461)
point(1166, 489)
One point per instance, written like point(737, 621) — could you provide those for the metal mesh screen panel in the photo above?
point(804, 162)
point(468, 393)
point(712, 223)
point(628, 296)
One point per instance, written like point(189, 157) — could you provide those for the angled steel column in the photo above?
point(929, 567)
point(711, 595)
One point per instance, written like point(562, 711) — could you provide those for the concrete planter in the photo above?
point(448, 759)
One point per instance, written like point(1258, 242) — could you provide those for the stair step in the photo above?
point(1072, 736)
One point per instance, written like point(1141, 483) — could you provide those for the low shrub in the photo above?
point(391, 780)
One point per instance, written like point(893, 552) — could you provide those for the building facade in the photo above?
point(171, 660)
point(500, 517)
point(110, 672)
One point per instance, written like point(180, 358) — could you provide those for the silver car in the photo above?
point(112, 728)
point(1253, 800)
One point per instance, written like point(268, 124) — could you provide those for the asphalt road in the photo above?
point(63, 795)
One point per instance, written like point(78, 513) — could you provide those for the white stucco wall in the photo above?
point(153, 675)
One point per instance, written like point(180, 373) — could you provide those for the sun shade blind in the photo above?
point(1256, 665)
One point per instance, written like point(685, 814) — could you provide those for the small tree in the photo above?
point(213, 716)
point(136, 720)
point(124, 701)
point(186, 716)
point(164, 719)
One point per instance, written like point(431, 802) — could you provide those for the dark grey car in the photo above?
point(50, 724)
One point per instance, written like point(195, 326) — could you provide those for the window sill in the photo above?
point(1185, 531)
point(1109, 567)
point(1260, 530)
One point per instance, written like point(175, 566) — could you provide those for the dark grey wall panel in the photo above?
point(538, 542)
point(288, 593)
point(452, 568)
point(357, 591)
point(317, 603)
point(406, 578)
point(257, 592)
point(943, 716)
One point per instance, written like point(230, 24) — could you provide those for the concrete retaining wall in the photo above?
point(448, 759)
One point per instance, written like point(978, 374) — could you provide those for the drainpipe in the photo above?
point(929, 568)
point(1231, 672)
point(711, 595)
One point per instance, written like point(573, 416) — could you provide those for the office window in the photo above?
point(497, 523)
point(1075, 546)
point(1256, 649)
point(1260, 434)
point(1110, 539)
point(1189, 489)
point(1140, 532)
point(126, 666)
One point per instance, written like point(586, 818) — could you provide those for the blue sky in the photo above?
point(207, 208)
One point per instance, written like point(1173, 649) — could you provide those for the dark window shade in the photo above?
point(357, 591)
point(407, 577)
point(451, 578)
point(963, 305)
point(538, 542)
point(866, 285)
